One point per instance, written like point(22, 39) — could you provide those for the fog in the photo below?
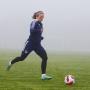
point(66, 24)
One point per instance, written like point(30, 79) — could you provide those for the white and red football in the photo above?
point(69, 80)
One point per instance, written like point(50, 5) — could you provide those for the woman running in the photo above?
point(34, 44)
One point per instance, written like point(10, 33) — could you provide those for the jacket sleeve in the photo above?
point(34, 26)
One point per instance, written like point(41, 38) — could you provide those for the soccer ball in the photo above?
point(69, 80)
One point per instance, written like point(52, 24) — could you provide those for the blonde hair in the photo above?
point(36, 14)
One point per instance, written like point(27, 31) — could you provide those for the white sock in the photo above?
point(43, 75)
point(9, 62)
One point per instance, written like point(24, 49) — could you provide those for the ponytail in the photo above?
point(36, 14)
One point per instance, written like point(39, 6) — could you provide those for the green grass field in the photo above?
point(26, 75)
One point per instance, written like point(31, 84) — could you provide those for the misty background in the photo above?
point(66, 24)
